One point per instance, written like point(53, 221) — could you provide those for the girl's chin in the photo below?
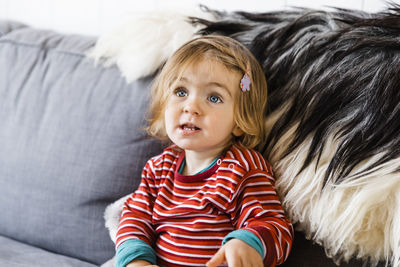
point(191, 146)
point(200, 148)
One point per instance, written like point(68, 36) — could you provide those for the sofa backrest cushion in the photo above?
point(71, 142)
point(7, 25)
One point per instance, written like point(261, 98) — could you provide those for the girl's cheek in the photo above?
point(170, 102)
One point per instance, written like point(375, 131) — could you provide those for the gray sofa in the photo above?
point(71, 143)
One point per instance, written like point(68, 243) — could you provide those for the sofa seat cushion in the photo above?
point(17, 254)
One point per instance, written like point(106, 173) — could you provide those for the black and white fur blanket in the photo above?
point(333, 121)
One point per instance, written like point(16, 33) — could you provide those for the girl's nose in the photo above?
point(192, 106)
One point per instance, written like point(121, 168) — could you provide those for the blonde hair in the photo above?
point(249, 106)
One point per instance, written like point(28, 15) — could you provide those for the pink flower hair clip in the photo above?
point(245, 83)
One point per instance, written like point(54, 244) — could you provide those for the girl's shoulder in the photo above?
point(248, 159)
point(169, 154)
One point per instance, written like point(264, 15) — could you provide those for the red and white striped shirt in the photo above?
point(185, 218)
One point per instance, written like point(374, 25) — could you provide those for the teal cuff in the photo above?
point(134, 249)
point(247, 237)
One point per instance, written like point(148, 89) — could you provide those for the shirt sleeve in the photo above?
point(134, 249)
point(247, 237)
point(255, 207)
point(136, 217)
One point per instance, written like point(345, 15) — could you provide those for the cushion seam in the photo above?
point(43, 48)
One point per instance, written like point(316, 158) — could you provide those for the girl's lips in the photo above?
point(189, 129)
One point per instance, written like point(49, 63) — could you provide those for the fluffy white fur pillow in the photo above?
point(142, 43)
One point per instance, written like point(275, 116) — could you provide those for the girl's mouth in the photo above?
point(189, 127)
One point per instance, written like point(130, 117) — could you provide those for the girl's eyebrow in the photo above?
point(217, 84)
point(220, 85)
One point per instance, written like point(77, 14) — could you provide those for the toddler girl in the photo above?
point(209, 198)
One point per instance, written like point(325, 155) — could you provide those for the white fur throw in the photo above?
point(142, 43)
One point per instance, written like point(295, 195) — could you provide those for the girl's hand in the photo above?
point(140, 263)
point(236, 253)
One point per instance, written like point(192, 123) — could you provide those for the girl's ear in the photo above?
point(237, 131)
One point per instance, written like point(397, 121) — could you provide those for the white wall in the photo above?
point(95, 17)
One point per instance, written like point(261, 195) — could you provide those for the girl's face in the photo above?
point(199, 114)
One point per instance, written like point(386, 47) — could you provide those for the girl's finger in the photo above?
point(217, 259)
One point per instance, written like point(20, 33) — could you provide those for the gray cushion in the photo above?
point(16, 254)
point(71, 142)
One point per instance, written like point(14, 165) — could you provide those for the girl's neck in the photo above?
point(197, 161)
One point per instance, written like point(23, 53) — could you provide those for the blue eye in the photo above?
point(180, 92)
point(215, 99)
